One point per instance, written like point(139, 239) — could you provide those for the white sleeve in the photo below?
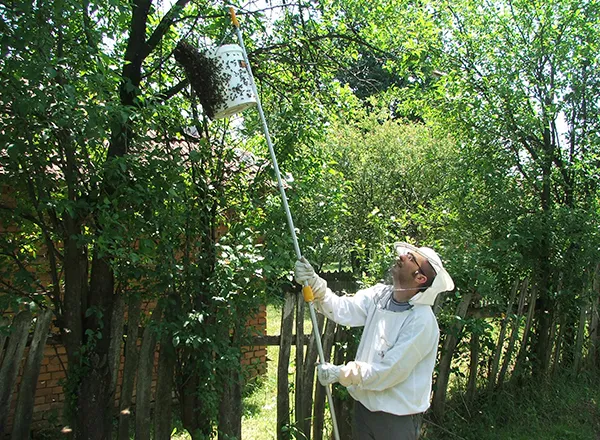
point(350, 310)
point(412, 346)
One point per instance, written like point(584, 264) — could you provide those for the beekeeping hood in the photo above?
point(442, 281)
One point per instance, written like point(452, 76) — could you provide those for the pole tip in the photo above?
point(234, 19)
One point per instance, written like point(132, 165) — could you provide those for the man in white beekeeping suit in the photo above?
point(390, 380)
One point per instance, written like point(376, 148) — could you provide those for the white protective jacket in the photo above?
point(397, 350)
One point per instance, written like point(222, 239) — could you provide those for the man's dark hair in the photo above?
point(429, 272)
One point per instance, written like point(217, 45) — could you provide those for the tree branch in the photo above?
point(164, 25)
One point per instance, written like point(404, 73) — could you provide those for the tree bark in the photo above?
point(230, 408)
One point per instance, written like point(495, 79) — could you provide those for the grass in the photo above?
point(566, 408)
point(260, 402)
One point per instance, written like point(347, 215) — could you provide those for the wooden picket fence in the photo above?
point(11, 359)
point(306, 415)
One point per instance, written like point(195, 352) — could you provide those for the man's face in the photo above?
point(407, 271)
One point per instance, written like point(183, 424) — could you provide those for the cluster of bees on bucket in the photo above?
point(212, 78)
point(204, 75)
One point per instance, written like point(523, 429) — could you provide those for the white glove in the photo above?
point(304, 273)
point(328, 373)
point(346, 375)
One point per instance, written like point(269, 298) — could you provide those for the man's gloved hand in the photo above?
point(346, 375)
point(328, 373)
point(304, 272)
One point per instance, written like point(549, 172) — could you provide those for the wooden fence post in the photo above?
point(116, 341)
point(320, 392)
point(12, 360)
point(285, 347)
point(309, 378)
point(523, 349)
point(439, 396)
point(299, 382)
point(130, 367)
point(514, 333)
point(26, 397)
point(143, 389)
point(164, 389)
point(580, 337)
point(501, 337)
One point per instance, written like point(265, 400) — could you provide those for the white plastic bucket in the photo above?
point(236, 85)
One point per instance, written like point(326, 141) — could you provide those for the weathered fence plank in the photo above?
point(310, 360)
point(12, 360)
point(143, 388)
point(299, 383)
point(578, 354)
point(3, 336)
point(320, 392)
point(26, 397)
point(500, 344)
point(473, 366)
point(283, 397)
point(450, 343)
point(163, 401)
point(523, 349)
point(516, 321)
point(116, 341)
point(130, 367)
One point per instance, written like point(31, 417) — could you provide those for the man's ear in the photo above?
point(421, 279)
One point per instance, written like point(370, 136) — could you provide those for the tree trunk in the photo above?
point(441, 383)
point(130, 367)
point(94, 401)
point(545, 309)
point(12, 360)
point(285, 347)
point(230, 408)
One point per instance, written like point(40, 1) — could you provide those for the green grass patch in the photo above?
point(566, 408)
